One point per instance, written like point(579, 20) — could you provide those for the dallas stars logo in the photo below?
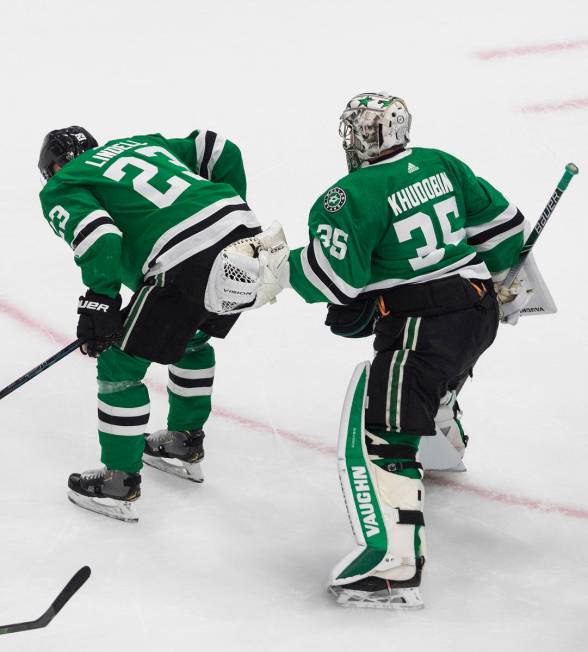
point(334, 200)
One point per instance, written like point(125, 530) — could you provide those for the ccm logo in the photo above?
point(93, 305)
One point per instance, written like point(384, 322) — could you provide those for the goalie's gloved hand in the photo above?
point(511, 300)
point(355, 319)
point(100, 323)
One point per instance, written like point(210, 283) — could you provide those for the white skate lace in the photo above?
point(93, 474)
point(161, 436)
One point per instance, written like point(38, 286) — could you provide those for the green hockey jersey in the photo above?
point(136, 207)
point(413, 217)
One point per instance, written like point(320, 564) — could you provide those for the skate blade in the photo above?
point(121, 510)
point(184, 470)
point(395, 599)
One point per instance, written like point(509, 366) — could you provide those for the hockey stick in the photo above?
point(571, 170)
point(37, 370)
point(56, 606)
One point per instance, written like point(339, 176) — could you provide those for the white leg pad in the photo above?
point(376, 502)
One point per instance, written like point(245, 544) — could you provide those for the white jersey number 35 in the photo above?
point(433, 250)
point(333, 240)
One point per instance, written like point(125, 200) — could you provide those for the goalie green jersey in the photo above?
point(136, 207)
point(413, 217)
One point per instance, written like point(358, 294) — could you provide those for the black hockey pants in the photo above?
point(428, 338)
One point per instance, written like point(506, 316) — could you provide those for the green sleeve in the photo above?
point(213, 157)
point(75, 215)
point(336, 264)
point(494, 226)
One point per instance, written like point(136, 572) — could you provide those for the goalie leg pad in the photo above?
point(385, 509)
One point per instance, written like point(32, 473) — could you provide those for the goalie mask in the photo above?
point(372, 123)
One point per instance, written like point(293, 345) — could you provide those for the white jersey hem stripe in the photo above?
point(201, 240)
point(191, 221)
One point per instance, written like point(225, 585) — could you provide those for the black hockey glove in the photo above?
point(100, 323)
point(355, 319)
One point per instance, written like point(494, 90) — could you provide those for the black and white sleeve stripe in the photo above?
point(90, 229)
point(485, 237)
point(209, 147)
point(324, 277)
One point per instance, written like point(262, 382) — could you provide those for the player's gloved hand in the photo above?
point(511, 300)
point(100, 323)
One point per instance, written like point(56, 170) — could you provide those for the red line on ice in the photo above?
point(543, 48)
point(578, 103)
point(310, 444)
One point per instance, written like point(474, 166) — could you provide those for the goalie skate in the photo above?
point(117, 509)
point(377, 593)
point(444, 451)
point(439, 454)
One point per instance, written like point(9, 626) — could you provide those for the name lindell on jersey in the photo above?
point(420, 192)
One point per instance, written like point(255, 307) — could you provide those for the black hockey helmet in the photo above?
point(63, 145)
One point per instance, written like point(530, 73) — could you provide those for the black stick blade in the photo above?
point(70, 588)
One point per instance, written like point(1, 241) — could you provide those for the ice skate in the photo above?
point(379, 593)
point(107, 492)
point(177, 452)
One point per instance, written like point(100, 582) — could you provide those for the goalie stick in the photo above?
point(571, 170)
point(56, 606)
point(40, 368)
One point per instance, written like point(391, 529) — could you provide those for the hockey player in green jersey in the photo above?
point(151, 213)
point(407, 246)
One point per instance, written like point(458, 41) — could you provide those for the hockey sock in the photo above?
point(123, 410)
point(189, 386)
point(405, 447)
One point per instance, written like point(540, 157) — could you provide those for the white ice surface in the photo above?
point(240, 562)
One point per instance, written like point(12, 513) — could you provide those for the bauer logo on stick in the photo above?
point(334, 200)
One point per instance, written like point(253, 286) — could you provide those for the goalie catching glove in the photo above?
point(248, 273)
